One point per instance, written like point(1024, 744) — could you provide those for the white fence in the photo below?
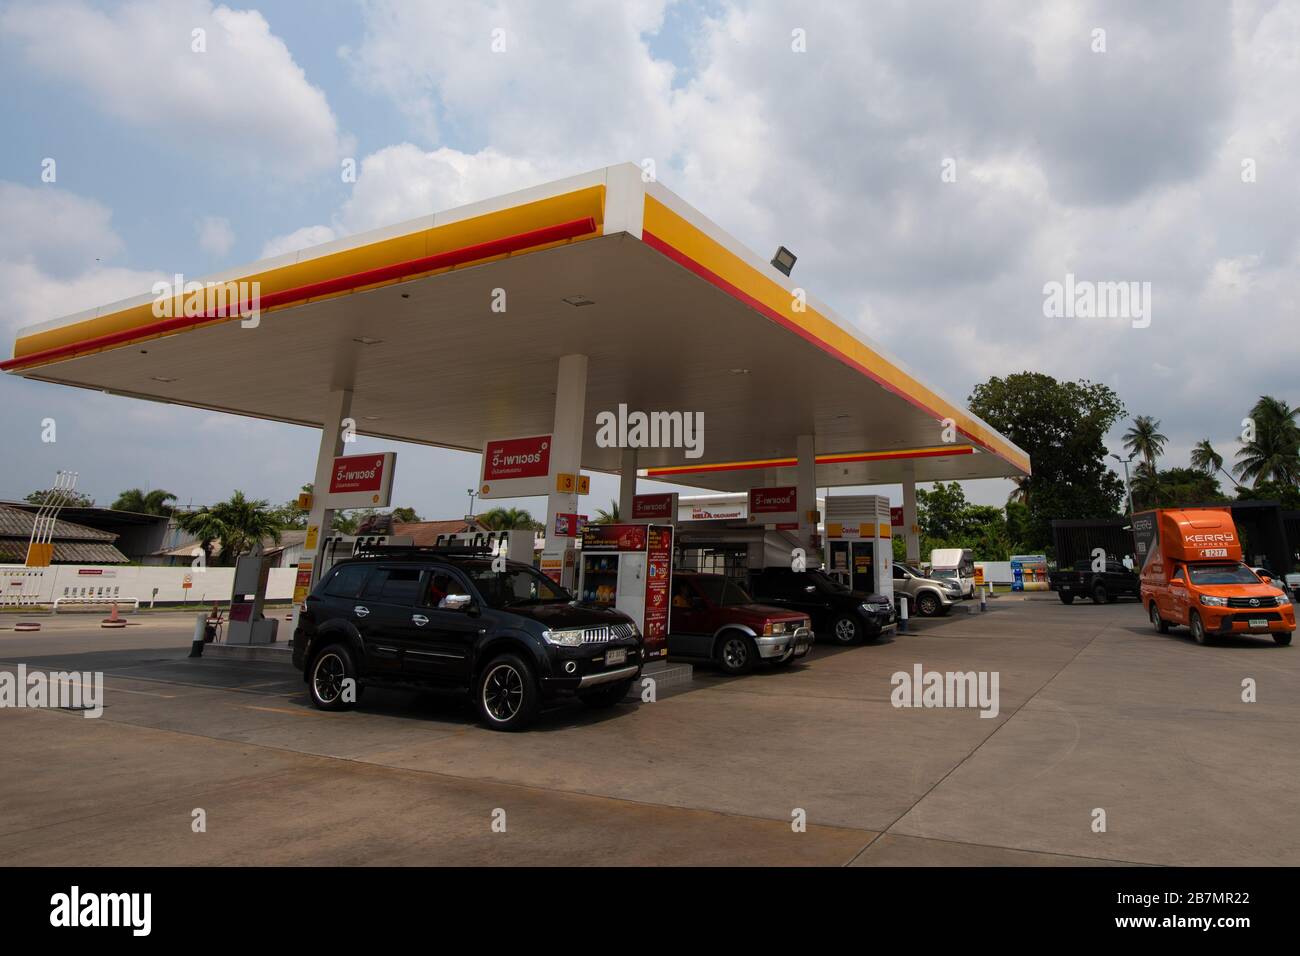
point(68, 583)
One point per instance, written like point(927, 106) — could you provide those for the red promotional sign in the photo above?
point(658, 578)
point(517, 458)
point(655, 507)
point(614, 537)
point(773, 500)
point(896, 517)
point(357, 473)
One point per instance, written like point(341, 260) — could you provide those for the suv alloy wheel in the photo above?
point(506, 693)
point(846, 630)
point(330, 671)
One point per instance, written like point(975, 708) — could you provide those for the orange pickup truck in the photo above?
point(1192, 574)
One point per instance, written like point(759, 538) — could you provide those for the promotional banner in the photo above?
point(361, 481)
point(658, 579)
point(661, 508)
point(614, 537)
point(774, 506)
point(516, 467)
point(896, 518)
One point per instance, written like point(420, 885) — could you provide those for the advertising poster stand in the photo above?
point(629, 567)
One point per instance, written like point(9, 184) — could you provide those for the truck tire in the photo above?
point(1099, 594)
point(927, 604)
point(331, 669)
point(736, 653)
point(1066, 598)
point(1158, 622)
point(1282, 638)
point(1198, 629)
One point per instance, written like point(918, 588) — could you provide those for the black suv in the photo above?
point(422, 616)
point(839, 614)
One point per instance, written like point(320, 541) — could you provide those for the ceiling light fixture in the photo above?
point(578, 301)
point(163, 378)
point(366, 340)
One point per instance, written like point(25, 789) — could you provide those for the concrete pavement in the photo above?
point(1097, 712)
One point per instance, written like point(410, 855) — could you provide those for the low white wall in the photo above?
point(124, 583)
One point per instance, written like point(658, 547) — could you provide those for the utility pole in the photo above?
point(472, 495)
point(1128, 487)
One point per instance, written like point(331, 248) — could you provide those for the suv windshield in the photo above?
point(827, 583)
point(721, 591)
point(1222, 574)
point(947, 573)
point(514, 586)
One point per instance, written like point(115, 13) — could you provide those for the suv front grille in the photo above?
point(606, 633)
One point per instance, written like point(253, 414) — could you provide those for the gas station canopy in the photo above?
point(448, 330)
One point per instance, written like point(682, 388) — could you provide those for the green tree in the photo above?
point(405, 515)
point(155, 502)
point(1273, 452)
point(240, 524)
point(1062, 426)
point(607, 515)
point(74, 500)
point(940, 512)
point(508, 519)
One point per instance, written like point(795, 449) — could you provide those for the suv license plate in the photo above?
point(1258, 622)
point(615, 657)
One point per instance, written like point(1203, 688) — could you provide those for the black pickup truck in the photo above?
point(1102, 586)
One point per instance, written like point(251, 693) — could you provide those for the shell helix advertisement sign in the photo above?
point(659, 569)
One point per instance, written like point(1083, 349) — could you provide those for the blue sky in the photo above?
point(1116, 165)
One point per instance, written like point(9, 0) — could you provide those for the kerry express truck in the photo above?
point(1193, 575)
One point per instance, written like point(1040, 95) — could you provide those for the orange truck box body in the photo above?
point(1174, 547)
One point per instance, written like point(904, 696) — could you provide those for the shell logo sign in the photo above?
point(361, 481)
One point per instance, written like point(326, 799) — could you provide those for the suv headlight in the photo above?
point(1283, 599)
point(566, 638)
point(1211, 601)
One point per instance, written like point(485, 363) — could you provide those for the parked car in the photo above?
point(1102, 586)
point(715, 619)
point(839, 615)
point(927, 596)
point(438, 617)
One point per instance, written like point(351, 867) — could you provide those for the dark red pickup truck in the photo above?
point(715, 619)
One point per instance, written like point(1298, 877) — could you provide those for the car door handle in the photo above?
point(360, 611)
point(419, 619)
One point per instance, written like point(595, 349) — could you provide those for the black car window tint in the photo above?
point(347, 581)
point(395, 586)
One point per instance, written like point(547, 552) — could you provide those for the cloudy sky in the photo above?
point(1142, 141)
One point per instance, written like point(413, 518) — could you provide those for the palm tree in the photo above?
point(1144, 439)
point(507, 519)
point(1205, 458)
point(607, 515)
point(154, 502)
point(1146, 485)
point(240, 524)
point(1273, 454)
point(1020, 494)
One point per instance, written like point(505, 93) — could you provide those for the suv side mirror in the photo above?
point(457, 602)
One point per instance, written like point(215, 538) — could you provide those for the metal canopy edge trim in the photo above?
point(834, 458)
point(530, 227)
point(671, 234)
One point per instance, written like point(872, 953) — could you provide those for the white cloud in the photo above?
point(216, 237)
point(244, 93)
point(298, 239)
point(63, 232)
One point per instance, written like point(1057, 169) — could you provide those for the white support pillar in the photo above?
point(626, 484)
point(911, 530)
point(566, 438)
point(338, 406)
point(806, 490)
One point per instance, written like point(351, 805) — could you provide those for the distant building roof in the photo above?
point(73, 543)
point(426, 532)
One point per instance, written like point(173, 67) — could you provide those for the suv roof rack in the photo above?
point(420, 550)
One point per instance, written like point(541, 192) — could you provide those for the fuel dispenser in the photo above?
point(247, 625)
